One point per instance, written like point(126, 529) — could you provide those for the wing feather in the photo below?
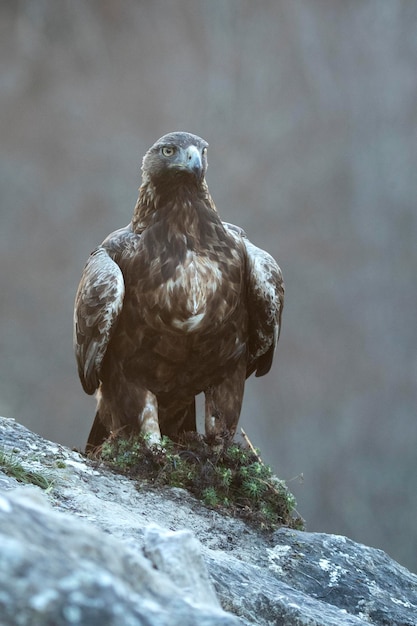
point(98, 304)
point(265, 301)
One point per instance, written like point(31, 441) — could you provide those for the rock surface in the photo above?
point(94, 549)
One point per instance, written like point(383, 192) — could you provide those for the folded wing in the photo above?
point(98, 304)
point(265, 301)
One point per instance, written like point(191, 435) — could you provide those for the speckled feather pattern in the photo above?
point(98, 303)
point(174, 304)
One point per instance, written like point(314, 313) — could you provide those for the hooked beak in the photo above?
point(193, 160)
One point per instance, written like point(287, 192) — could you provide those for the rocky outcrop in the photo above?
point(92, 548)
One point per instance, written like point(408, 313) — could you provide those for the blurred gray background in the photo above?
point(310, 109)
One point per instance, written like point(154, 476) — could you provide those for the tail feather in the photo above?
point(98, 434)
point(175, 423)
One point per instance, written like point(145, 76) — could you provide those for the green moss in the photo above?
point(231, 479)
point(12, 467)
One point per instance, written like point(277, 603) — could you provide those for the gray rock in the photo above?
point(55, 569)
point(361, 580)
point(178, 554)
point(96, 549)
point(312, 578)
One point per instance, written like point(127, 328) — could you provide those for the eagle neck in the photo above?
point(175, 205)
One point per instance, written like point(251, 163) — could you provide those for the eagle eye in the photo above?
point(204, 152)
point(168, 151)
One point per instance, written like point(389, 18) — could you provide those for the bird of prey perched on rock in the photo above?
point(174, 304)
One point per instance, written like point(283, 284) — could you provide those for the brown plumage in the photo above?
point(174, 304)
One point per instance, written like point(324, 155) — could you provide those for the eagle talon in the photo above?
point(152, 440)
point(157, 449)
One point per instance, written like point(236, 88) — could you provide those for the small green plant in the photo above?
point(232, 479)
point(12, 467)
point(209, 495)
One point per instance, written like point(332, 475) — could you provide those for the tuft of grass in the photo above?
point(232, 479)
point(12, 467)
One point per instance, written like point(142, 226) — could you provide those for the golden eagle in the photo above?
point(174, 304)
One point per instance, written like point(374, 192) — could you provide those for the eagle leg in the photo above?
point(117, 416)
point(148, 420)
point(223, 404)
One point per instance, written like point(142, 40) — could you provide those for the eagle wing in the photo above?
point(98, 304)
point(265, 301)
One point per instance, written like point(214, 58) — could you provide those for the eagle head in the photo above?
point(178, 158)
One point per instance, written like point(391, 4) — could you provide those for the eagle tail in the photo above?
point(176, 422)
point(98, 434)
